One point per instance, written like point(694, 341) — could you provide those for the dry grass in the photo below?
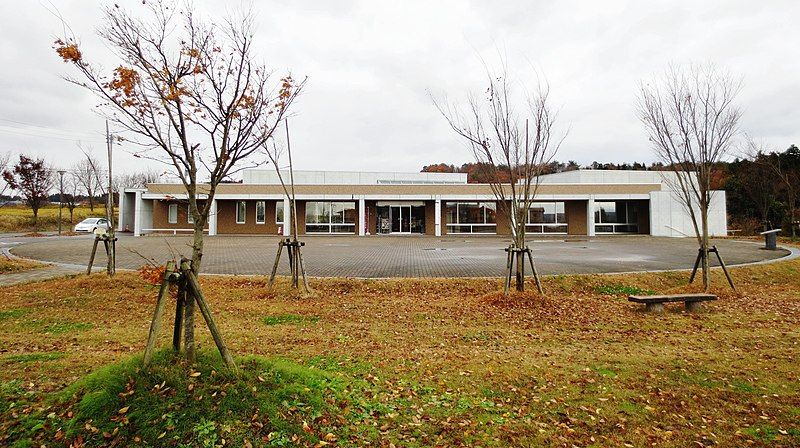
point(8, 264)
point(18, 218)
point(451, 362)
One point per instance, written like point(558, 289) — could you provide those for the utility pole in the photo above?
point(111, 267)
point(60, 197)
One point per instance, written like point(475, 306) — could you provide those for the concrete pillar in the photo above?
point(590, 216)
point(137, 215)
point(362, 217)
point(121, 209)
point(287, 216)
point(437, 219)
point(212, 219)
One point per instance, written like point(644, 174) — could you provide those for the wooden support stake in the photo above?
point(196, 292)
point(155, 325)
point(535, 272)
point(275, 266)
point(696, 265)
point(91, 258)
point(509, 263)
point(724, 268)
point(302, 267)
point(176, 332)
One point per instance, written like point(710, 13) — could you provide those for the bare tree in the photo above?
point(71, 194)
point(187, 92)
point(87, 176)
point(692, 122)
point(512, 137)
point(137, 179)
point(294, 247)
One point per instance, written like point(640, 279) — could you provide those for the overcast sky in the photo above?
point(372, 63)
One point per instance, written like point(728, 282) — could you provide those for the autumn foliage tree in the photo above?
point(187, 92)
point(33, 180)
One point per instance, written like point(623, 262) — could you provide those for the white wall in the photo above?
point(668, 217)
point(301, 177)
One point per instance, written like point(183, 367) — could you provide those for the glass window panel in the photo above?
point(470, 213)
point(343, 228)
point(279, 212)
point(491, 212)
point(451, 212)
point(604, 228)
point(555, 229)
point(349, 213)
point(173, 213)
point(317, 228)
point(605, 212)
point(241, 211)
point(261, 212)
point(622, 211)
point(536, 214)
point(633, 213)
point(561, 216)
point(484, 229)
point(337, 212)
point(533, 228)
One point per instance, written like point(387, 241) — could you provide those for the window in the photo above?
point(616, 217)
point(172, 218)
point(330, 217)
point(471, 217)
point(241, 212)
point(189, 217)
point(279, 212)
point(261, 212)
point(546, 217)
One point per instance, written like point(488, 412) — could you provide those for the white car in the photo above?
point(90, 224)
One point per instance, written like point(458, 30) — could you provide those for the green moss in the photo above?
point(31, 357)
point(289, 319)
point(62, 327)
point(173, 403)
point(13, 314)
point(616, 289)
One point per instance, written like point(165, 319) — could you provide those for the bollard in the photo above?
point(771, 239)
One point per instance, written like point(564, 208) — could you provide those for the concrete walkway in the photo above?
point(398, 256)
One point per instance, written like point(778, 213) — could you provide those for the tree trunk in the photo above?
point(704, 245)
point(189, 305)
point(91, 203)
point(519, 242)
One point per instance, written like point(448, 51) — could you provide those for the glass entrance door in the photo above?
point(400, 216)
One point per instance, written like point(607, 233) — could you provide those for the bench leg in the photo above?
point(693, 306)
point(654, 307)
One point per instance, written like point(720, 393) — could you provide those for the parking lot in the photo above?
point(399, 256)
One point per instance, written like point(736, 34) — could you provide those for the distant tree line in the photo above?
point(762, 186)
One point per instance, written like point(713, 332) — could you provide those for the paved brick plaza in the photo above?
point(403, 256)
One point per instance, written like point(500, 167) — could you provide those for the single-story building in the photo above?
point(582, 202)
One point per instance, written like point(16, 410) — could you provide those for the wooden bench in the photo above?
point(655, 304)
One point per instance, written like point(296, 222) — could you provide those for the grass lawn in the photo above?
point(18, 218)
point(9, 265)
point(423, 362)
